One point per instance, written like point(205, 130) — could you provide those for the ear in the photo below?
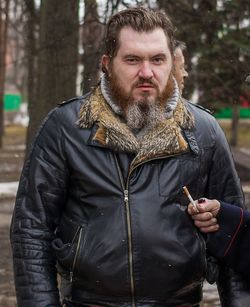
point(105, 62)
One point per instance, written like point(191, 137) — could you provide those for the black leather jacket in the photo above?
point(120, 236)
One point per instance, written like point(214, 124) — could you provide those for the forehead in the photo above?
point(178, 55)
point(134, 42)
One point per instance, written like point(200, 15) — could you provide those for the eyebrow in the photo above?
point(131, 56)
point(138, 56)
point(160, 55)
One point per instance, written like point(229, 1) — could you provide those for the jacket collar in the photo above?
point(165, 139)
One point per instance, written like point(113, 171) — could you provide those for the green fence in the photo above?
point(12, 102)
point(227, 113)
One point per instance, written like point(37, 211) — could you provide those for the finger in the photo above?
point(208, 223)
point(207, 206)
point(191, 209)
point(206, 216)
point(210, 228)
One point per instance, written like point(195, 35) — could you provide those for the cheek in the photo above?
point(126, 76)
point(163, 77)
point(177, 75)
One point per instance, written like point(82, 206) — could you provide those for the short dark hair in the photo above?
point(139, 19)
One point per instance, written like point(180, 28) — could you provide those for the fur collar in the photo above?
point(163, 140)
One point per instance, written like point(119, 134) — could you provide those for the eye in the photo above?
point(158, 60)
point(132, 60)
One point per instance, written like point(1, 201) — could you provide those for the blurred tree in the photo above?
point(15, 79)
point(92, 39)
point(226, 57)
point(217, 36)
point(57, 58)
point(215, 31)
point(31, 40)
point(236, 39)
point(16, 67)
point(4, 18)
point(196, 24)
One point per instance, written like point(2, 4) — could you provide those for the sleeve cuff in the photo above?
point(230, 219)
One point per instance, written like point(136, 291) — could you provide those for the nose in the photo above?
point(145, 70)
point(185, 73)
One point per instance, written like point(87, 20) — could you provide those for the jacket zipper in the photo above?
point(128, 219)
point(129, 232)
point(71, 274)
point(130, 247)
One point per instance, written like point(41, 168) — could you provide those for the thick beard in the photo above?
point(143, 113)
point(143, 116)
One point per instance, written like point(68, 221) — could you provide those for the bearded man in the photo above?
point(100, 198)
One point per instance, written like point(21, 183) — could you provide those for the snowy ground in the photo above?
point(8, 189)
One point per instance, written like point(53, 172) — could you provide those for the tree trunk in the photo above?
point(236, 93)
point(235, 125)
point(4, 17)
point(92, 37)
point(57, 59)
point(30, 50)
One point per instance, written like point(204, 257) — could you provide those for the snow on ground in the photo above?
point(8, 189)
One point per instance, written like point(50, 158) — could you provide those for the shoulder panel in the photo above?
point(200, 107)
point(64, 102)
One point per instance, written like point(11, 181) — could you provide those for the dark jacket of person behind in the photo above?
point(231, 243)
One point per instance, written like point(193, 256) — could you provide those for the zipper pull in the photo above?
point(126, 196)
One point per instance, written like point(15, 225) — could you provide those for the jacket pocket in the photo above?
point(176, 172)
point(63, 252)
point(67, 245)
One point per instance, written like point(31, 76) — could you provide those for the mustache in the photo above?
point(142, 81)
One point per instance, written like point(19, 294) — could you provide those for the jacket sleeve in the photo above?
point(224, 185)
point(39, 201)
point(231, 243)
point(223, 180)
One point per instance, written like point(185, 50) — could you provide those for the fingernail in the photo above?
point(201, 200)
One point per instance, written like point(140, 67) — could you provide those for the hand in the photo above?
point(205, 220)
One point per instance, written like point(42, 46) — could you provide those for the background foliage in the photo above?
point(53, 49)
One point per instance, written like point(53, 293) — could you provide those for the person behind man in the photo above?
point(229, 232)
point(179, 70)
point(100, 197)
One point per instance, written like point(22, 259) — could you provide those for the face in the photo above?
point(180, 72)
point(141, 68)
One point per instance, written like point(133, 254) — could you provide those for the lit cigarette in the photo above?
point(190, 198)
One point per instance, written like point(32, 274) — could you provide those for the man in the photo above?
point(180, 72)
point(229, 232)
point(101, 191)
